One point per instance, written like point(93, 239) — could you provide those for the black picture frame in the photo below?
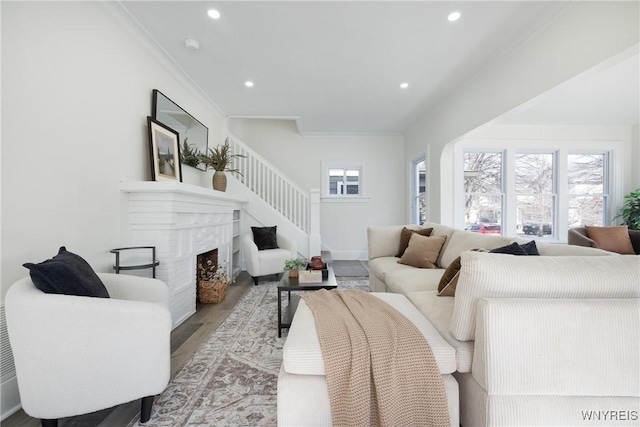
point(192, 132)
point(164, 150)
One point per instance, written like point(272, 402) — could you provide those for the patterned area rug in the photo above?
point(231, 380)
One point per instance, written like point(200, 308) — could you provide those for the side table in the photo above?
point(288, 285)
point(153, 264)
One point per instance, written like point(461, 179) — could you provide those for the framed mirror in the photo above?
point(194, 135)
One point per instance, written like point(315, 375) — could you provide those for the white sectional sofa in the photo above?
point(539, 340)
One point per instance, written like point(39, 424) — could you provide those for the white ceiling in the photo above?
point(337, 66)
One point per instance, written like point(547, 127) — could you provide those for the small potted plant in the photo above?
point(189, 155)
point(219, 159)
point(293, 265)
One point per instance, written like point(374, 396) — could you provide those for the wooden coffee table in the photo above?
point(291, 284)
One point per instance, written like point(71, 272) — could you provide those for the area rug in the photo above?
point(350, 268)
point(231, 380)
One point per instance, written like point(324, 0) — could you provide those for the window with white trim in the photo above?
point(588, 188)
point(419, 191)
point(535, 176)
point(343, 180)
point(528, 192)
point(483, 188)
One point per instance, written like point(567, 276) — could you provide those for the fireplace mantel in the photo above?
point(181, 221)
point(177, 188)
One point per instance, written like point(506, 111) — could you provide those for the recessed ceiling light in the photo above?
point(248, 84)
point(404, 85)
point(214, 14)
point(453, 16)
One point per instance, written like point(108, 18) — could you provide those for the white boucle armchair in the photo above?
point(268, 261)
point(75, 355)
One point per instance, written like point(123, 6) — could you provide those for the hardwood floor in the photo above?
point(185, 341)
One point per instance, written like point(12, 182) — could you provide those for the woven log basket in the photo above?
point(211, 292)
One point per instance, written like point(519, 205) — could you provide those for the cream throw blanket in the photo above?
point(380, 370)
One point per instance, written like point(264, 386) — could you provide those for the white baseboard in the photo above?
point(9, 398)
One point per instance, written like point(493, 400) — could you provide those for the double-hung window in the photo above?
point(588, 188)
point(535, 192)
point(483, 187)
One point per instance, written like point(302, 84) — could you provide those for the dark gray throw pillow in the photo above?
point(530, 248)
point(512, 249)
point(265, 237)
point(68, 274)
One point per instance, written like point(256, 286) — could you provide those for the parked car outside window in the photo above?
point(485, 228)
point(533, 229)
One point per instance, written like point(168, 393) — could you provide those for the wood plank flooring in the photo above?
point(185, 341)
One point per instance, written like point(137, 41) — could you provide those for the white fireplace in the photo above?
point(181, 221)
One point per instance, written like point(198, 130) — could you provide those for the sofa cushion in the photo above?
point(422, 251)
point(600, 334)
point(68, 274)
point(553, 249)
point(302, 354)
point(265, 237)
point(405, 236)
point(382, 266)
point(613, 239)
point(438, 312)
point(486, 275)
point(413, 279)
point(447, 285)
point(465, 241)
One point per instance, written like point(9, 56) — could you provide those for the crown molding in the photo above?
point(132, 27)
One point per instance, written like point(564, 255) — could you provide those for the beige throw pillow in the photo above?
point(406, 234)
point(422, 251)
point(612, 239)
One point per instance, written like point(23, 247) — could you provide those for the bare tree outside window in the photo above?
point(532, 188)
point(483, 187)
point(419, 188)
point(587, 189)
point(535, 193)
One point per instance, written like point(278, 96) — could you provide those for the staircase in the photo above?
point(274, 198)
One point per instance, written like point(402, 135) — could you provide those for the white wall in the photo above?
point(343, 225)
point(635, 157)
point(77, 91)
point(587, 34)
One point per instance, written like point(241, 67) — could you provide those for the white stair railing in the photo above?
point(272, 186)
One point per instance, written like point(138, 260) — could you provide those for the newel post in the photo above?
point(314, 223)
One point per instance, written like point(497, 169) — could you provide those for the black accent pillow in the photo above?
point(265, 237)
point(530, 248)
point(68, 274)
point(512, 249)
